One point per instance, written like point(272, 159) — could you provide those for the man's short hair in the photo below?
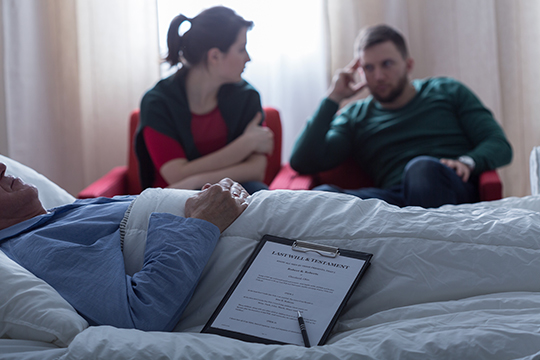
point(378, 34)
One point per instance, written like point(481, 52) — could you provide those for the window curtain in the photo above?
point(490, 45)
point(72, 72)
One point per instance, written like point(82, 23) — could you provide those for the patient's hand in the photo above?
point(219, 203)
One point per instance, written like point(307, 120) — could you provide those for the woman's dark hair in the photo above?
point(216, 27)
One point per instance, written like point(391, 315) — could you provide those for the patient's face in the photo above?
point(18, 201)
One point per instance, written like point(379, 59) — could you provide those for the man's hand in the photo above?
point(462, 170)
point(344, 85)
point(219, 203)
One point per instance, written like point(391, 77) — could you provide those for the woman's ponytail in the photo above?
point(174, 40)
point(216, 27)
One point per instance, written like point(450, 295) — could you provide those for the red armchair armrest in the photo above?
point(111, 184)
point(490, 186)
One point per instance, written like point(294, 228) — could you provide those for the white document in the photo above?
point(279, 283)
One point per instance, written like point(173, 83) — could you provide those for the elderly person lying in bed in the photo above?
point(77, 249)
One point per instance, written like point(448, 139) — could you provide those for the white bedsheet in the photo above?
point(457, 282)
point(29, 350)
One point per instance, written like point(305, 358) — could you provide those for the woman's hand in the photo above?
point(261, 138)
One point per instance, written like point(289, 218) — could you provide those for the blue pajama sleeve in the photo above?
point(177, 250)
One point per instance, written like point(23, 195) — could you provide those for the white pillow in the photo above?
point(30, 309)
point(50, 194)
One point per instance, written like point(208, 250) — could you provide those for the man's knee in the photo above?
point(429, 183)
point(423, 166)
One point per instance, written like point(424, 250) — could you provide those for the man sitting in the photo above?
point(77, 249)
point(423, 142)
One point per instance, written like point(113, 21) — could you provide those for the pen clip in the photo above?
point(323, 250)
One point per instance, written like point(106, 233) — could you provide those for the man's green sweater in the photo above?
point(444, 120)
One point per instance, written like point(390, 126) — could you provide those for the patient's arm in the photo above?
point(177, 250)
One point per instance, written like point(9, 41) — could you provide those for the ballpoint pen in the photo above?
point(303, 329)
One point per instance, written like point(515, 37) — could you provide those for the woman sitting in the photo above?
point(204, 122)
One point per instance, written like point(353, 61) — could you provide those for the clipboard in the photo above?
point(282, 277)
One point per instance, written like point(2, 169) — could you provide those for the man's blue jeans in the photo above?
point(426, 182)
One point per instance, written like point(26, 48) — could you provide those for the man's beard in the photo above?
point(394, 94)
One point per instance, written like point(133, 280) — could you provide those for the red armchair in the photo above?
point(349, 176)
point(124, 180)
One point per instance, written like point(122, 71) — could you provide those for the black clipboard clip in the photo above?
point(323, 250)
